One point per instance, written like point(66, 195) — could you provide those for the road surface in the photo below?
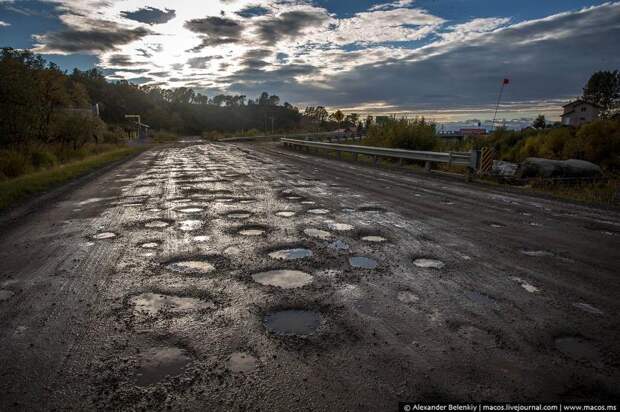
point(241, 276)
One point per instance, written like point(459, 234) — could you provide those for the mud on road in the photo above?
point(233, 277)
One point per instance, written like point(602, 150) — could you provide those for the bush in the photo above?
point(404, 134)
point(14, 163)
point(42, 158)
point(163, 136)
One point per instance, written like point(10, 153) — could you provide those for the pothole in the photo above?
point(252, 230)
point(577, 348)
point(291, 254)
point(157, 363)
point(318, 233)
point(340, 227)
point(192, 266)
point(339, 245)
point(480, 298)
point(372, 209)
point(536, 253)
point(153, 303)
point(190, 225)
point(285, 213)
point(156, 224)
point(308, 202)
point(407, 297)
point(526, 285)
point(586, 307)
point(318, 211)
point(429, 263)
point(374, 239)
point(363, 262)
point(283, 278)
point(149, 245)
point(241, 362)
point(91, 200)
point(238, 214)
point(190, 210)
point(104, 235)
point(292, 322)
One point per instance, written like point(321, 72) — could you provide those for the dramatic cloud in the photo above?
point(252, 11)
point(198, 62)
point(289, 24)
point(215, 30)
point(150, 15)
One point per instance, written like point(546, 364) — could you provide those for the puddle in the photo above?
point(577, 348)
point(317, 233)
point(6, 295)
point(291, 254)
point(318, 211)
point(91, 200)
point(372, 209)
point(308, 202)
point(429, 263)
point(363, 262)
point(157, 224)
point(152, 303)
point(157, 363)
point(190, 225)
point(407, 297)
point(149, 245)
point(104, 235)
point(201, 239)
point(284, 278)
point(292, 322)
point(527, 286)
point(339, 245)
point(241, 362)
point(293, 197)
point(536, 253)
point(252, 231)
point(192, 266)
point(586, 307)
point(232, 250)
point(285, 213)
point(191, 210)
point(341, 227)
point(374, 239)
point(479, 297)
point(238, 215)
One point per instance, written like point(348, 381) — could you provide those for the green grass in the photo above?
point(15, 190)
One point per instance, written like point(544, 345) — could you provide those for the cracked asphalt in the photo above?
point(248, 277)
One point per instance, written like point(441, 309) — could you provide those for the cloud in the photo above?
point(4, 24)
point(121, 60)
point(150, 15)
point(198, 62)
point(215, 31)
point(290, 24)
point(252, 11)
point(108, 36)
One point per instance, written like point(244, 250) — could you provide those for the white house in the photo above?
point(579, 112)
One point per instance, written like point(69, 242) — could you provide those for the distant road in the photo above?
point(170, 283)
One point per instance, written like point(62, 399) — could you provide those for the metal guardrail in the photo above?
point(469, 159)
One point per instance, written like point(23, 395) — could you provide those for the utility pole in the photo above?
point(135, 116)
point(499, 98)
point(272, 129)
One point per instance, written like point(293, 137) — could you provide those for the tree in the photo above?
point(603, 89)
point(338, 116)
point(539, 122)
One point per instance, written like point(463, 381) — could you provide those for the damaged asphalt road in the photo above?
point(234, 277)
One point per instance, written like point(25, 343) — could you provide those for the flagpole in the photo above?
point(499, 98)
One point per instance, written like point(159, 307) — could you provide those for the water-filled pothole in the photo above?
point(149, 245)
point(238, 214)
point(577, 348)
point(318, 211)
point(157, 363)
point(156, 224)
point(252, 230)
point(373, 209)
point(190, 210)
point(429, 263)
point(341, 227)
point(190, 225)
point(318, 233)
point(586, 307)
point(104, 235)
point(339, 245)
point(191, 266)
point(480, 298)
point(292, 322)
point(291, 254)
point(407, 297)
point(363, 262)
point(374, 239)
point(536, 253)
point(285, 213)
point(241, 362)
point(283, 278)
point(152, 303)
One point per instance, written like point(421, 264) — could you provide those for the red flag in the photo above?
point(506, 81)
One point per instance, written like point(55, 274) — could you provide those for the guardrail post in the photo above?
point(355, 157)
point(338, 154)
point(400, 162)
point(375, 160)
point(428, 166)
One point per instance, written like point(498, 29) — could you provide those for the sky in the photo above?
point(444, 59)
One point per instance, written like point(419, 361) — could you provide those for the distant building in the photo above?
point(579, 112)
point(473, 131)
